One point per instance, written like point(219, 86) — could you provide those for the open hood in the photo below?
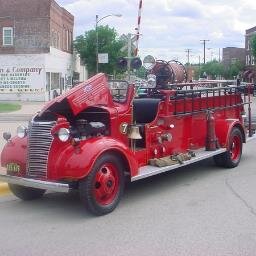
point(92, 92)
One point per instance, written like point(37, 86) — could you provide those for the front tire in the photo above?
point(231, 158)
point(26, 193)
point(101, 191)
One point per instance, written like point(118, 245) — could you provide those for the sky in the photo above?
point(169, 27)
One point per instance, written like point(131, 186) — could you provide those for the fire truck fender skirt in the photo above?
point(223, 129)
point(78, 162)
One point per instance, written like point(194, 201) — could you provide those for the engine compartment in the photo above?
point(91, 122)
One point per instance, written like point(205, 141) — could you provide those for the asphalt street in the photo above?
point(196, 210)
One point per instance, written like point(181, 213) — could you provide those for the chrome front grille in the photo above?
point(39, 143)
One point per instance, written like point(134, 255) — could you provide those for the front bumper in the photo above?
point(52, 186)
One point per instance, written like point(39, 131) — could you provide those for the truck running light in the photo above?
point(21, 131)
point(63, 134)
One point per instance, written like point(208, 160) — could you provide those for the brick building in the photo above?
point(36, 58)
point(232, 54)
point(250, 73)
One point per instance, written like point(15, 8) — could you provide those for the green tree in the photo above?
point(253, 46)
point(233, 70)
point(141, 72)
point(109, 42)
point(213, 69)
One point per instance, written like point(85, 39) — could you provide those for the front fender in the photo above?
point(223, 129)
point(76, 162)
point(15, 151)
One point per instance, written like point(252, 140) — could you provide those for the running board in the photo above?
point(148, 170)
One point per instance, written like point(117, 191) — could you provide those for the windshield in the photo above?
point(118, 90)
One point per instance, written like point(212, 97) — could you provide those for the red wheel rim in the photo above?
point(106, 184)
point(235, 150)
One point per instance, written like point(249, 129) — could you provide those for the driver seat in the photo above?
point(145, 110)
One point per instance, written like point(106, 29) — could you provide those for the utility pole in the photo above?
point(129, 55)
point(199, 58)
point(204, 41)
point(188, 52)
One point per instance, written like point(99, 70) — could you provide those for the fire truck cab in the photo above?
point(101, 132)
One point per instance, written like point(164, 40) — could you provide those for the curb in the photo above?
point(12, 117)
point(4, 189)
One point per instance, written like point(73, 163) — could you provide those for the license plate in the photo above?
point(13, 167)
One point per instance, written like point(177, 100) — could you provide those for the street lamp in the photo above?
point(97, 37)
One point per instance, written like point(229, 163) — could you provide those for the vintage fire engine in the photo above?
point(100, 132)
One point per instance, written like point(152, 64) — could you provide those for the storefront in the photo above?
point(35, 77)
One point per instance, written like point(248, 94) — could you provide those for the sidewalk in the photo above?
point(28, 109)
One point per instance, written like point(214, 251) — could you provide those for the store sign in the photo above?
point(21, 78)
point(103, 58)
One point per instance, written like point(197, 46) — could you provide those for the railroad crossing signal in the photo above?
point(122, 63)
point(135, 63)
point(132, 41)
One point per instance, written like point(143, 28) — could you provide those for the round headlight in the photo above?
point(63, 134)
point(21, 131)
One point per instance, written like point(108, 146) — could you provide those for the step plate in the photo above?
point(148, 170)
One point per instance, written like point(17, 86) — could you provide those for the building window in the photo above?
point(67, 38)
point(55, 81)
point(58, 40)
point(252, 62)
point(7, 36)
point(71, 40)
point(234, 60)
point(249, 43)
point(247, 60)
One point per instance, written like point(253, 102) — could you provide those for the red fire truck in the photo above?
point(100, 132)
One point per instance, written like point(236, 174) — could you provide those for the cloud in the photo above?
point(168, 27)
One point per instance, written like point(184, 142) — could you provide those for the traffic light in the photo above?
point(122, 63)
point(136, 63)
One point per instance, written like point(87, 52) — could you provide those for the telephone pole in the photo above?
point(204, 41)
point(188, 53)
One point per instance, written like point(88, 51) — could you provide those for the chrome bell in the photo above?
point(134, 133)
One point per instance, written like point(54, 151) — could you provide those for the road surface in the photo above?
point(196, 210)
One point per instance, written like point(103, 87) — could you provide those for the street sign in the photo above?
point(103, 58)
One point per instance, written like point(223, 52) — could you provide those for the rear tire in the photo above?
point(26, 193)
point(101, 191)
point(231, 158)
